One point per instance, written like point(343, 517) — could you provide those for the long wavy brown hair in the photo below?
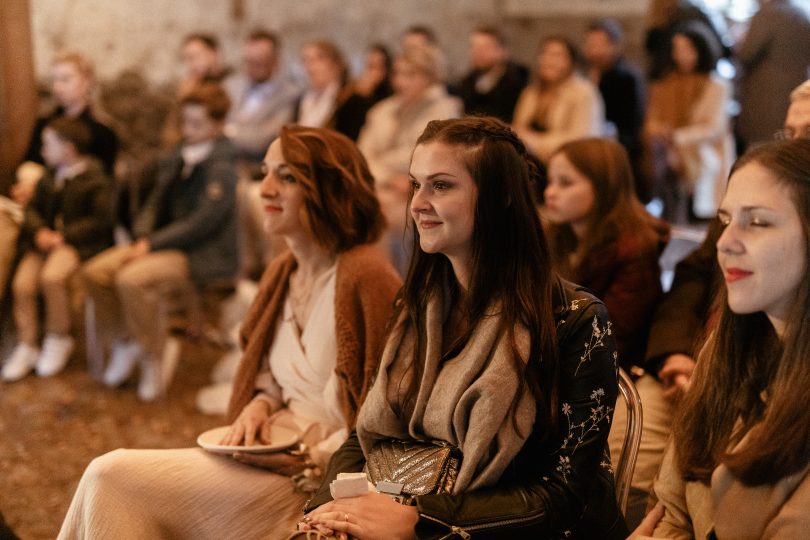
point(748, 382)
point(616, 212)
point(510, 258)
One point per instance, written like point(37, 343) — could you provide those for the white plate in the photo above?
point(281, 438)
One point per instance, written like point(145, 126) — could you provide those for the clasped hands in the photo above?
point(370, 516)
point(47, 239)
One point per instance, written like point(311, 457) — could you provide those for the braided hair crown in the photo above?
point(473, 131)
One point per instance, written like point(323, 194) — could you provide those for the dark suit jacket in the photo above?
point(500, 100)
point(622, 89)
point(84, 206)
point(197, 214)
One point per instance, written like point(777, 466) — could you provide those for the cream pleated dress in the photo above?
point(190, 493)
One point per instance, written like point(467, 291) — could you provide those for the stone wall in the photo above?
point(144, 36)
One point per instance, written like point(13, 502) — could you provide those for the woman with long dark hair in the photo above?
point(687, 130)
point(559, 105)
point(489, 354)
point(740, 457)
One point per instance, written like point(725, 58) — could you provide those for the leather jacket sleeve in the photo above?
point(348, 458)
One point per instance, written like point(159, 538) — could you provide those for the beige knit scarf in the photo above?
point(465, 400)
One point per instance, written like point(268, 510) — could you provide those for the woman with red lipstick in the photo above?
point(739, 464)
point(490, 353)
point(311, 344)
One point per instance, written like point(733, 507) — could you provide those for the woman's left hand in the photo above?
point(278, 462)
point(369, 516)
point(647, 526)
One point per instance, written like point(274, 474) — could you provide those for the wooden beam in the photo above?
point(18, 96)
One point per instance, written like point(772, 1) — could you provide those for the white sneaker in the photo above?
point(55, 354)
point(124, 358)
point(22, 360)
point(157, 373)
point(149, 387)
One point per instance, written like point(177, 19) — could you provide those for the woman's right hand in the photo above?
point(676, 375)
point(252, 425)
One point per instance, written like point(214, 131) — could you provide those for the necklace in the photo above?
point(300, 295)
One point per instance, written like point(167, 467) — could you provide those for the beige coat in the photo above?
point(731, 509)
point(577, 112)
point(705, 144)
point(391, 130)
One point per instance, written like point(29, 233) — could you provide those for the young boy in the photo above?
point(67, 221)
point(185, 235)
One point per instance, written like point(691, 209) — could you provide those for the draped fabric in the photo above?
point(466, 400)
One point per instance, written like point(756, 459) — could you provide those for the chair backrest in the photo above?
point(623, 471)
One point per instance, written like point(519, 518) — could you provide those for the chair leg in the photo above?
point(93, 342)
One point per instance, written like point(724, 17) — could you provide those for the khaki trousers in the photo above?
point(128, 295)
point(50, 275)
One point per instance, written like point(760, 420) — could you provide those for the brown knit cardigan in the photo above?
point(365, 288)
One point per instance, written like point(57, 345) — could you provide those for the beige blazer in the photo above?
point(731, 509)
point(577, 112)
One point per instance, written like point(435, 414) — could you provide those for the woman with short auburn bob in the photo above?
point(738, 465)
point(311, 344)
point(490, 353)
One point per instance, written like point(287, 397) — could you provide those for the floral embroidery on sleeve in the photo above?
point(600, 413)
point(597, 340)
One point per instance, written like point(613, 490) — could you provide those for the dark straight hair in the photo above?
point(511, 265)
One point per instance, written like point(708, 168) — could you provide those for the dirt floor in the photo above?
point(50, 429)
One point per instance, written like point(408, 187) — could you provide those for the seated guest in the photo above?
point(491, 356)
point(374, 83)
point(72, 85)
point(202, 62)
point(494, 84)
point(330, 100)
point(312, 342)
point(680, 325)
point(392, 127)
point(664, 16)
point(738, 461)
point(601, 237)
point(622, 88)
point(262, 98)
point(688, 129)
point(185, 236)
point(797, 121)
point(418, 35)
point(560, 105)
point(67, 222)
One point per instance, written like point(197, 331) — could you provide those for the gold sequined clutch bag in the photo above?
point(409, 468)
